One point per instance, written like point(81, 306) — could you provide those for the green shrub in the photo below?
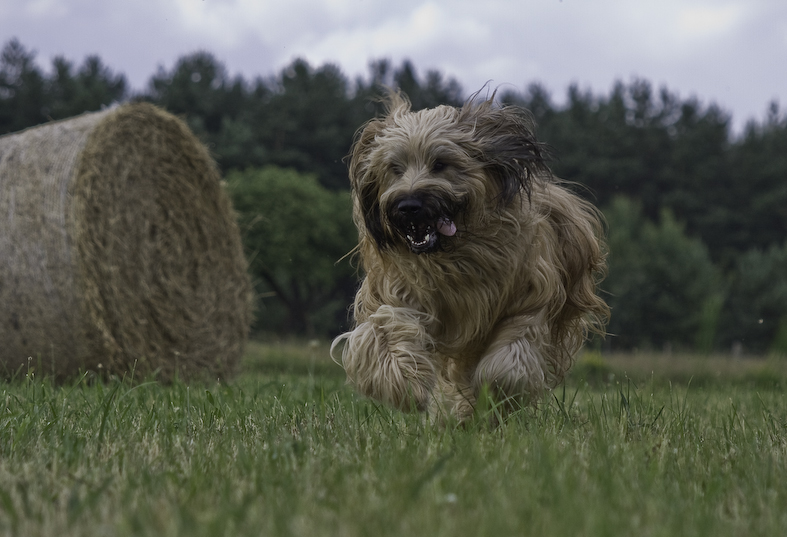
point(296, 234)
point(756, 311)
point(662, 286)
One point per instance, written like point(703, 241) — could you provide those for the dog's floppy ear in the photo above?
point(365, 187)
point(507, 145)
point(363, 177)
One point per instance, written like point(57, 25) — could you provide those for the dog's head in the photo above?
point(420, 179)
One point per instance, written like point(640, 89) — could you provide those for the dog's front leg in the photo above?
point(514, 364)
point(389, 357)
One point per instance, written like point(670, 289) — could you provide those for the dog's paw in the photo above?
point(403, 380)
point(450, 410)
point(513, 370)
point(453, 401)
point(389, 358)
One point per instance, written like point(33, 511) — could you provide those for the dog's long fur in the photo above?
point(504, 298)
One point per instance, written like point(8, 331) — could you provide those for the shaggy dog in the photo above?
point(480, 269)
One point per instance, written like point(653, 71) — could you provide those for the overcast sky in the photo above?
point(732, 52)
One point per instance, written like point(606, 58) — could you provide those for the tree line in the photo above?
point(696, 216)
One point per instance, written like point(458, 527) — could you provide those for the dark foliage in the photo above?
point(29, 97)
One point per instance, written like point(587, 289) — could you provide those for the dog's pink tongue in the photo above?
point(446, 227)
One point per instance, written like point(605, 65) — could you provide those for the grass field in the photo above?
point(632, 445)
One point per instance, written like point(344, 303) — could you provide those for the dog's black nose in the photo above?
point(410, 206)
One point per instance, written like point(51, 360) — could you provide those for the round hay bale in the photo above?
point(119, 250)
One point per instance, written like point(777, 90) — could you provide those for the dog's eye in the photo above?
point(396, 169)
point(438, 166)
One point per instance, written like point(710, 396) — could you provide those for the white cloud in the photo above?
point(427, 33)
point(295, 23)
point(225, 23)
point(36, 8)
point(703, 22)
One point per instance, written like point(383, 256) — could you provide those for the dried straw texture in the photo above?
point(119, 250)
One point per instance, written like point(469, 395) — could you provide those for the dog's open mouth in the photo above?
point(423, 237)
point(423, 221)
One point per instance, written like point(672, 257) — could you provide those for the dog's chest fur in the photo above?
point(464, 298)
